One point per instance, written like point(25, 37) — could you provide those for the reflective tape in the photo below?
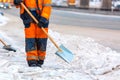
point(33, 9)
point(47, 5)
point(41, 57)
point(32, 58)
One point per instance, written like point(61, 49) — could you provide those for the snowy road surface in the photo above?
point(87, 20)
point(92, 61)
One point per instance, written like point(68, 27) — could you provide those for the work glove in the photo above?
point(43, 22)
point(26, 19)
point(17, 2)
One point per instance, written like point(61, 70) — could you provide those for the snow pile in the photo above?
point(89, 55)
point(3, 20)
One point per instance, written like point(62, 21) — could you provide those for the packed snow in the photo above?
point(3, 20)
point(92, 61)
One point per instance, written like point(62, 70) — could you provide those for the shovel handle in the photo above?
point(41, 27)
point(3, 43)
point(29, 13)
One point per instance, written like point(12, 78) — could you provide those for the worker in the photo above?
point(35, 38)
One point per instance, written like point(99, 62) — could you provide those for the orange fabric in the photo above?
point(45, 10)
point(21, 10)
point(35, 32)
point(32, 55)
point(41, 55)
point(30, 32)
point(40, 33)
point(30, 3)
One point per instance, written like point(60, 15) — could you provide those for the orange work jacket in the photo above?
point(43, 7)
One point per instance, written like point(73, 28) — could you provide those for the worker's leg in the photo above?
point(30, 45)
point(41, 44)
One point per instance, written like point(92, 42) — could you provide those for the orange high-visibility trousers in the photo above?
point(36, 42)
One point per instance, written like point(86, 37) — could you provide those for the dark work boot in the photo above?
point(32, 63)
point(40, 63)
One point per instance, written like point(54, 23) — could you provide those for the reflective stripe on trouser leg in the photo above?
point(41, 55)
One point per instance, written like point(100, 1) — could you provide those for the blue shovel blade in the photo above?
point(65, 54)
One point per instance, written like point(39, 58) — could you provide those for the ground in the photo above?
point(92, 61)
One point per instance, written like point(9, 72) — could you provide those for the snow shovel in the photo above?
point(62, 52)
point(7, 47)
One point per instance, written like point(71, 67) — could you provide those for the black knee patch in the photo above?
point(30, 44)
point(41, 44)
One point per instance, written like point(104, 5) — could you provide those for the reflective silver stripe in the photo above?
point(33, 9)
point(32, 57)
point(41, 57)
point(46, 4)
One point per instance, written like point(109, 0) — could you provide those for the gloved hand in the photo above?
point(43, 22)
point(17, 2)
point(26, 19)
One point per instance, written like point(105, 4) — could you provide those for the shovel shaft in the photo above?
point(30, 13)
point(3, 43)
point(52, 40)
point(41, 27)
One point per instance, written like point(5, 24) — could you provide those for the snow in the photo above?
point(92, 61)
point(3, 20)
